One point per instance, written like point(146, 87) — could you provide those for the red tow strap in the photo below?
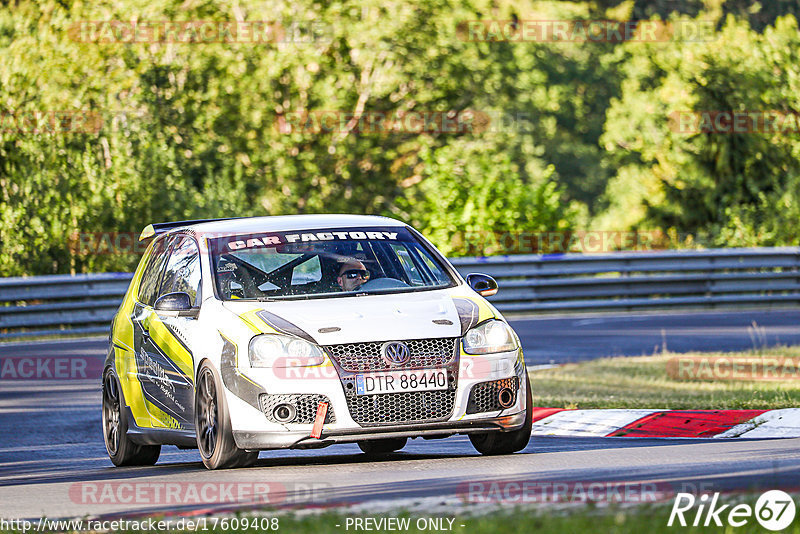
point(322, 411)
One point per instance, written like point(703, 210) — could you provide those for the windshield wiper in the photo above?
point(284, 297)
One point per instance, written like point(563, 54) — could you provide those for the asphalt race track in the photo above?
point(575, 338)
point(53, 462)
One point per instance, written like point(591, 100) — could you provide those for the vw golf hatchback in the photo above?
point(240, 335)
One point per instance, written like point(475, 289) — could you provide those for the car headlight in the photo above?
point(274, 350)
point(491, 336)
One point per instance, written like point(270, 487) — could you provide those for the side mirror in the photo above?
point(483, 284)
point(175, 305)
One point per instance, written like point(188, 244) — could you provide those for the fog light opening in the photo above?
point(284, 413)
point(505, 397)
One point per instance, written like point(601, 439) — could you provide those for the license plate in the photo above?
point(401, 381)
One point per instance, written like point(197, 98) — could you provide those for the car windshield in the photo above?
point(324, 263)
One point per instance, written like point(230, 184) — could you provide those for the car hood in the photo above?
point(329, 321)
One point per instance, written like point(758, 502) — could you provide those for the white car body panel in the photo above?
point(357, 319)
point(369, 318)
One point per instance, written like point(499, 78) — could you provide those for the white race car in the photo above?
point(239, 335)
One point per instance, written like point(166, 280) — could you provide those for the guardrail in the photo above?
point(642, 280)
point(45, 305)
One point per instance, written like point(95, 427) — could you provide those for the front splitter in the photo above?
point(303, 440)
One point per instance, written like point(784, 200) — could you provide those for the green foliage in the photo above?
point(194, 130)
point(724, 189)
point(761, 13)
point(468, 196)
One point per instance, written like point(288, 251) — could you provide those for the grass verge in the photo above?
point(762, 379)
point(581, 518)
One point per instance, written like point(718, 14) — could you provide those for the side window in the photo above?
point(183, 270)
point(148, 288)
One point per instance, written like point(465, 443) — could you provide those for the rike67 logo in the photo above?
point(774, 510)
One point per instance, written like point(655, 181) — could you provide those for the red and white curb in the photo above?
point(784, 423)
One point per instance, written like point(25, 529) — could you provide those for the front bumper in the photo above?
point(303, 440)
point(254, 429)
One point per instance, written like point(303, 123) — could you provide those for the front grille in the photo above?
point(483, 396)
point(397, 408)
point(425, 353)
point(401, 408)
point(305, 404)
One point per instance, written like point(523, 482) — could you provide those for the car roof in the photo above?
point(280, 223)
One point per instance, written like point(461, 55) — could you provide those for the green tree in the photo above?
point(472, 199)
point(723, 189)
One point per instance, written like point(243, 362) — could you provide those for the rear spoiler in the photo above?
point(152, 230)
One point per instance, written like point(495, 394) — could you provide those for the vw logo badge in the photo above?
point(395, 353)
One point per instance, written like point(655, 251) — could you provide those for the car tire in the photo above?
point(213, 426)
point(494, 443)
point(382, 446)
point(119, 446)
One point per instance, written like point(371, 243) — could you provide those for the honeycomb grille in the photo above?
point(305, 404)
point(483, 396)
point(357, 357)
point(401, 408)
